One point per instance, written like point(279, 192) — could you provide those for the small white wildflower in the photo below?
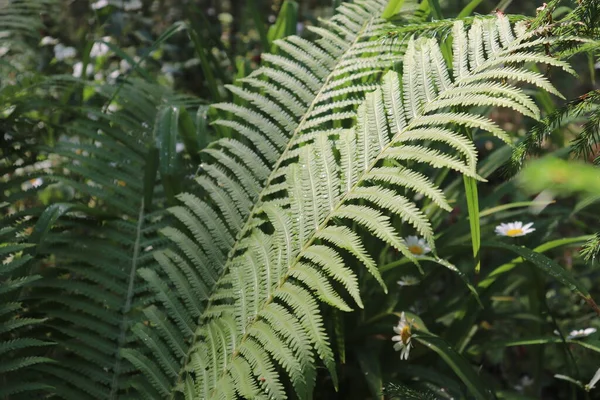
point(581, 333)
point(525, 381)
point(179, 147)
point(99, 4)
point(514, 229)
point(403, 337)
point(113, 107)
point(124, 65)
point(100, 49)
point(112, 77)
point(62, 52)
point(417, 245)
point(78, 69)
point(408, 281)
point(225, 18)
point(48, 41)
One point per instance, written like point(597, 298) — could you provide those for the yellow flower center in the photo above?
point(405, 334)
point(514, 232)
point(416, 249)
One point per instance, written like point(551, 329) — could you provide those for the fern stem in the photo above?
point(114, 387)
point(257, 205)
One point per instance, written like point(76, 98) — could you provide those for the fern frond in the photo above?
point(286, 106)
point(331, 185)
point(88, 257)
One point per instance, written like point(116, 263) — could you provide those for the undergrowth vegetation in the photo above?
point(390, 203)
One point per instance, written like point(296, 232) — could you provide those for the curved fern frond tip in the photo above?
point(265, 264)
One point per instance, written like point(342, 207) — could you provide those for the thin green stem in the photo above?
point(114, 387)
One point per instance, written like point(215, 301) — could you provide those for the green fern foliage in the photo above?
point(90, 246)
point(288, 259)
point(20, 351)
point(584, 110)
point(308, 90)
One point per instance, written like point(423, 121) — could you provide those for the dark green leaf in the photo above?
point(460, 366)
point(550, 267)
point(285, 24)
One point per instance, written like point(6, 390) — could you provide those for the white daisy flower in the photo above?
point(581, 333)
point(403, 337)
point(417, 245)
point(514, 229)
point(408, 281)
point(100, 49)
point(78, 69)
point(62, 52)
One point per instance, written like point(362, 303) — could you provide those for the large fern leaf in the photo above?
point(273, 282)
point(308, 90)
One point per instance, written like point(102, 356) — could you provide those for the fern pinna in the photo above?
point(263, 255)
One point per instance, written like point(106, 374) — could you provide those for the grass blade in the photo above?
point(165, 134)
point(468, 9)
point(370, 366)
point(285, 24)
point(189, 135)
point(393, 7)
point(201, 50)
point(473, 209)
point(259, 24)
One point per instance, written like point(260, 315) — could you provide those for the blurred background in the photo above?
point(109, 34)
